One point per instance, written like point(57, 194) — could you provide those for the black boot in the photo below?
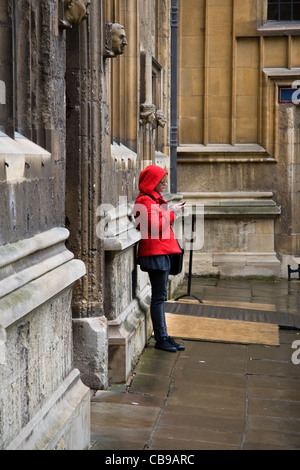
point(165, 345)
point(179, 347)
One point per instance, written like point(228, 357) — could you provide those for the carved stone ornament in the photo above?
point(161, 118)
point(75, 11)
point(148, 113)
point(115, 40)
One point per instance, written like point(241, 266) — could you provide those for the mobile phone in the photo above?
point(183, 202)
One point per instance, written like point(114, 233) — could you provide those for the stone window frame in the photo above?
point(274, 78)
point(157, 97)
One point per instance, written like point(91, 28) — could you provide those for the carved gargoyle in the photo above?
point(75, 11)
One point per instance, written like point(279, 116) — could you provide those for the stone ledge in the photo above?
point(245, 259)
point(123, 156)
point(19, 303)
point(216, 153)
point(15, 251)
point(122, 242)
point(234, 204)
point(20, 158)
point(279, 28)
point(247, 264)
point(281, 72)
point(117, 228)
point(26, 260)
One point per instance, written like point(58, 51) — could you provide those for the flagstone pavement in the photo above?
point(212, 396)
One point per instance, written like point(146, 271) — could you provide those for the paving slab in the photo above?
point(273, 388)
point(275, 408)
point(261, 439)
point(177, 437)
point(220, 419)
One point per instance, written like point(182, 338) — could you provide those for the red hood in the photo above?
point(150, 177)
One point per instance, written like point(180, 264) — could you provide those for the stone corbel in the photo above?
point(72, 12)
point(148, 114)
point(161, 118)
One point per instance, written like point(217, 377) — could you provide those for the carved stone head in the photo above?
point(147, 114)
point(118, 39)
point(75, 11)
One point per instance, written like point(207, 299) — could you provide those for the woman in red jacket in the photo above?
point(155, 220)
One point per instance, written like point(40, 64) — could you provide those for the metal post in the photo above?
point(173, 127)
point(188, 294)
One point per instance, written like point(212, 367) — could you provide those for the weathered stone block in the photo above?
point(91, 351)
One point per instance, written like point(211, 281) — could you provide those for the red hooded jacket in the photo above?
point(153, 217)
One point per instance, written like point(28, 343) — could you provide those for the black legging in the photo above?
point(159, 285)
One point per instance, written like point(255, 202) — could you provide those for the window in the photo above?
point(284, 10)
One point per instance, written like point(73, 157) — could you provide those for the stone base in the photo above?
point(127, 336)
point(43, 403)
point(63, 423)
point(238, 234)
point(91, 351)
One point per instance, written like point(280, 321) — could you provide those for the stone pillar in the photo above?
point(85, 170)
point(84, 157)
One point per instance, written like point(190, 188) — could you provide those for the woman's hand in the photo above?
point(178, 207)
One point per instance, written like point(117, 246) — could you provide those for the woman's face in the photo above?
point(162, 185)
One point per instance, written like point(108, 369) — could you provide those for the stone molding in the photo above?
point(238, 204)
point(33, 271)
point(223, 153)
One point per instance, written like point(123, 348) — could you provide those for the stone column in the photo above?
point(85, 171)
point(84, 157)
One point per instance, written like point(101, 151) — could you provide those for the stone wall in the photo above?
point(43, 402)
point(236, 136)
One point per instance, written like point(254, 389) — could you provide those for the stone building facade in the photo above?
point(88, 98)
point(239, 153)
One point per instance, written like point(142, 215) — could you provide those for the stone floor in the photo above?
point(212, 395)
point(283, 294)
